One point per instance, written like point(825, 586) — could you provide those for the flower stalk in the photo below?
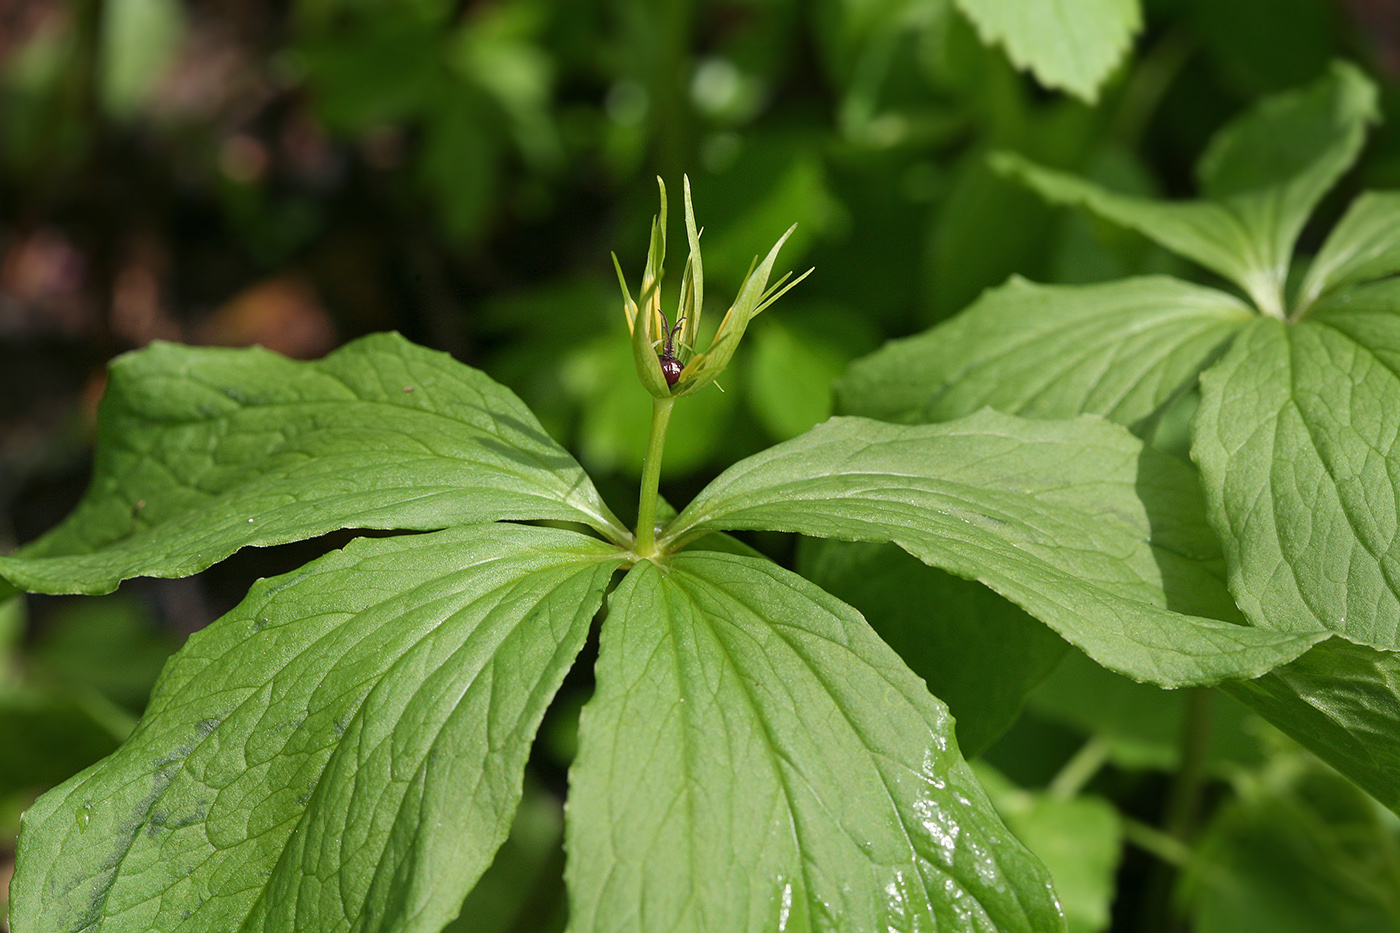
point(651, 476)
point(667, 363)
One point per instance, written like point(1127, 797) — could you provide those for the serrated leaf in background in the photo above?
point(1068, 46)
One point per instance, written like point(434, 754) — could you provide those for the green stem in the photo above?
point(1183, 806)
point(1153, 75)
point(1080, 769)
point(1150, 839)
point(651, 476)
point(1184, 803)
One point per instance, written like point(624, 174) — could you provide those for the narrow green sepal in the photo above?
point(644, 354)
point(754, 296)
point(696, 270)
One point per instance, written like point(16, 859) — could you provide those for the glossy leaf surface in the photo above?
point(755, 758)
point(347, 744)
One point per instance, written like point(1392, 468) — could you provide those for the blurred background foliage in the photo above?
point(297, 174)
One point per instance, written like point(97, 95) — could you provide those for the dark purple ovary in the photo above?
point(670, 366)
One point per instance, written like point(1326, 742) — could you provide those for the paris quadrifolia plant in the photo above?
point(345, 749)
point(666, 363)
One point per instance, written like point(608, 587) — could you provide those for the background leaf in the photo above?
point(792, 366)
point(1139, 725)
point(347, 743)
point(1261, 177)
point(1071, 46)
point(524, 887)
point(1297, 143)
point(1122, 350)
point(755, 758)
point(1364, 245)
point(205, 451)
point(1298, 850)
point(1076, 522)
point(1207, 232)
point(47, 734)
point(76, 650)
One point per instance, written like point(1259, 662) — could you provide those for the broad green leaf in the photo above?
point(1342, 702)
point(1365, 244)
point(1122, 350)
point(1261, 177)
point(1078, 839)
point(1297, 850)
point(1298, 142)
point(977, 652)
point(1071, 46)
point(756, 759)
point(204, 451)
point(1075, 521)
point(348, 743)
point(1297, 442)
